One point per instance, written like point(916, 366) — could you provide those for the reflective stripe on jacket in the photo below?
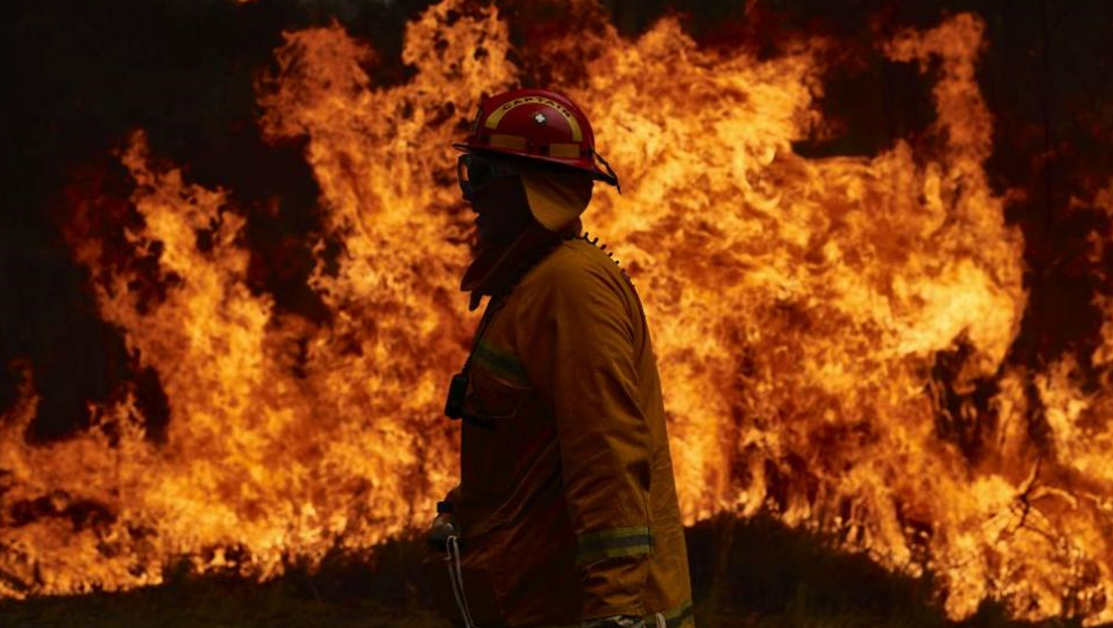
point(567, 502)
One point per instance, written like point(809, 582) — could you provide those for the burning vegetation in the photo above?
point(844, 339)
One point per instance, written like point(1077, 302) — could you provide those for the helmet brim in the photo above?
point(592, 170)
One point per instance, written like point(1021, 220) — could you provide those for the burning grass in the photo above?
point(753, 573)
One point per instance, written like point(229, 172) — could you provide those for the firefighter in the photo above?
point(566, 513)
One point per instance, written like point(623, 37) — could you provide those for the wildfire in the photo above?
point(832, 333)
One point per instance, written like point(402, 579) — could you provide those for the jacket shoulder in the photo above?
point(577, 265)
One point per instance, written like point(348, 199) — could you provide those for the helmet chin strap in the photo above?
point(610, 171)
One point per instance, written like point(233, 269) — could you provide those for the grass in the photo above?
point(755, 573)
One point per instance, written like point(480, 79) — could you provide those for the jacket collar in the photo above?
point(495, 270)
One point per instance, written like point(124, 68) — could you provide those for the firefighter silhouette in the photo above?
point(566, 513)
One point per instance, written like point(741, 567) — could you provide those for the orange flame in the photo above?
point(801, 309)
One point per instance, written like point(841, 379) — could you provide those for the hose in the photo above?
point(456, 576)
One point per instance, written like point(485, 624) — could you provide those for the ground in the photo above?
point(745, 574)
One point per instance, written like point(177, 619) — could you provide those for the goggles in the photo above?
point(475, 173)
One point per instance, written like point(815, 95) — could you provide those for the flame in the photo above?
point(832, 333)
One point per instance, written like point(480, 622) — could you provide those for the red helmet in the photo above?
point(537, 124)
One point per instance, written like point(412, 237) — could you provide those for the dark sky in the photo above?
point(79, 76)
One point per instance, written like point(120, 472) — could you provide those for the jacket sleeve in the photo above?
point(578, 347)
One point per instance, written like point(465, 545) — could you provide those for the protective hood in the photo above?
point(555, 198)
point(495, 269)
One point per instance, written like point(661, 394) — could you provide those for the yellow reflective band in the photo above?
point(612, 543)
point(639, 549)
point(500, 362)
point(496, 116)
point(513, 142)
point(569, 151)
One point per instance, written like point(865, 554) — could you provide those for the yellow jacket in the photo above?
point(567, 505)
